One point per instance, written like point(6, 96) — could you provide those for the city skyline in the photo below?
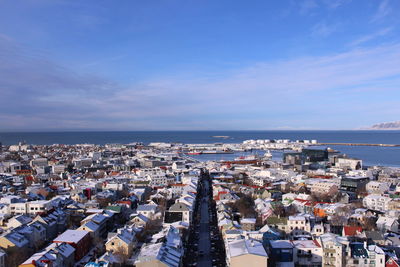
point(174, 65)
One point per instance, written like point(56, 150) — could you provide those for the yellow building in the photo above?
point(122, 242)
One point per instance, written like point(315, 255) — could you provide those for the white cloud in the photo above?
point(383, 10)
point(326, 90)
point(333, 4)
point(323, 29)
point(306, 6)
point(369, 37)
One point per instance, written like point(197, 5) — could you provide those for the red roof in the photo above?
point(352, 230)
point(322, 176)
point(127, 202)
point(316, 243)
point(219, 194)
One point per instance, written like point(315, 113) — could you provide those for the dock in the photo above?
point(358, 144)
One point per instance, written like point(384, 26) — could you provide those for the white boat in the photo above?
point(268, 155)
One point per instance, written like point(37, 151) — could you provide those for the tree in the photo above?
point(290, 211)
point(104, 202)
point(344, 211)
point(122, 256)
point(369, 223)
point(245, 206)
point(16, 256)
point(338, 220)
point(321, 197)
point(361, 191)
point(279, 210)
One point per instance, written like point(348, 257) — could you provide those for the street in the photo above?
point(204, 236)
point(205, 246)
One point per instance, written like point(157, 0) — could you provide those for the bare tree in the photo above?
point(122, 255)
point(245, 205)
point(279, 210)
point(104, 202)
point(369, 223)
point(16, 256)
point(338, 220)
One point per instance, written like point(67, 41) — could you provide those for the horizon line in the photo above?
point(187, 130)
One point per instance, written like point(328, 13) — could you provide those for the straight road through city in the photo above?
point(205, 258)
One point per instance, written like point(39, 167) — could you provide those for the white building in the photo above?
point(376, 202)
point(351, 163)
point(375, 187)
point(307, 253)
point(324, 187)
point(298, 225)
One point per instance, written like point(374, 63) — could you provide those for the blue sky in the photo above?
point(198, 65)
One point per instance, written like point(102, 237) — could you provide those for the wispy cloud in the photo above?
point(323, 29)
point(384, 9)
point(263, 95)
point(103, 60)
point(5, 37)
point(307, 6)
point(333, 4)
point(372, 36)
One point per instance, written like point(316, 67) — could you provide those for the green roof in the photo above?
point(276, 220)
point(115, 208)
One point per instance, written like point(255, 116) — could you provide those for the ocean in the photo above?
point(386, 156)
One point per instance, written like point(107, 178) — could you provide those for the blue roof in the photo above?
point(358, 250)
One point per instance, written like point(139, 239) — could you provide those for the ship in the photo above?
point(217, 152)
point(221, 136)
point(193, 153)
point(268, 155)
point(244, 160)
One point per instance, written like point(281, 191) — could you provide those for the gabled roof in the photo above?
point(352, 230)
point(246, 246)
point(179, 206)
point(125, 235)
point(23, 219)
point(142, 218)
point(146, 208)
point(386, 220)
point(90, 225)
point(71, 236)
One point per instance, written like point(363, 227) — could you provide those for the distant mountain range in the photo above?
point(387, 126)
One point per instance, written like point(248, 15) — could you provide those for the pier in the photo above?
point(358, 144)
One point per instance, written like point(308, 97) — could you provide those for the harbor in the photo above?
point(358, 144)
